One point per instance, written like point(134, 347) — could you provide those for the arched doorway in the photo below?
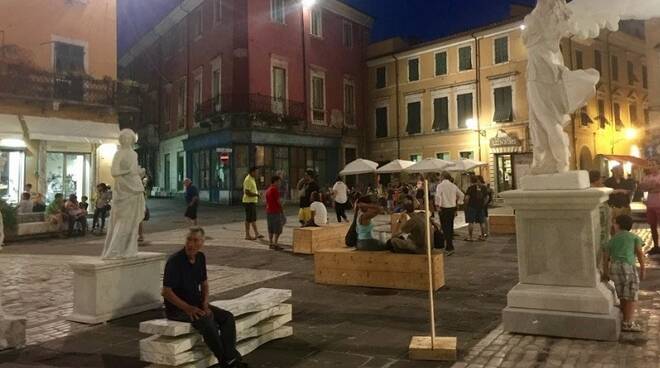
point(586, 160)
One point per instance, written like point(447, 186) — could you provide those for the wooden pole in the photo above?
point(430, 259)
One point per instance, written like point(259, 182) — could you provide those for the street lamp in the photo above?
point(629, 134)
point(308, 3)
point(473, 125)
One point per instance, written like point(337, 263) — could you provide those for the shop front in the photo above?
point(12, 158)
point(509, 161)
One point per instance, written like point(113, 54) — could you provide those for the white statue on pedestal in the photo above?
point(127, 201)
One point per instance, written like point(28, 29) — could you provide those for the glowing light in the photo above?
point(635, 151)
point(523, 27)
point(12, 142)
point(630, 133)
point(471, 123)
point(308, 3)
point(107, 149)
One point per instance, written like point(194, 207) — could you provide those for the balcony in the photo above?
point(271, 111)
point(28, 83)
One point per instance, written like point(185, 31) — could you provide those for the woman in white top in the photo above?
point(340, 194)
point(25, 205)
point(319, 212)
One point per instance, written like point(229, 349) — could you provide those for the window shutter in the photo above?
point(381, 122)
point(441, 63)
point(465, 58)
point(503, 105)
point(441, 114)
point(464, 107)
point(501, 50)
point(414, 118)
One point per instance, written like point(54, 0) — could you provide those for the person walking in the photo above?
point(340, 195)
point(620, 197)
point(191, 195)
point(447, 199)
point(476, 198)
point(651, 184)
point(274, 212)
point(250, 200)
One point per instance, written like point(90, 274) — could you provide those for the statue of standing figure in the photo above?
point(128, 204)
point(553, 90)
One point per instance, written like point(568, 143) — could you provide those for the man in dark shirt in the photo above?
point(192, 201)
point(306, 186)
point(619, 200)
point(476, 198)
point(186, 294)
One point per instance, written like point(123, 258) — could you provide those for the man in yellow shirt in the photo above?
point(250, 200)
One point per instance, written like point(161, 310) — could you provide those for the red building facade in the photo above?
point(237, 83)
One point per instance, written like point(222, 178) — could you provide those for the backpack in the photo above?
point(351, 238)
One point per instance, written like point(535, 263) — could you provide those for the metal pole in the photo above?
point(430, 259)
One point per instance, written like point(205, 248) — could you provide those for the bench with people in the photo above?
point(317, 233)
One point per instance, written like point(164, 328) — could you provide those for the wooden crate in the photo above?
point(377, 269)
point(394, 222)
point(307, 240)
point(502, 224)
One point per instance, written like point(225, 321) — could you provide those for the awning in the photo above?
point(636, 161)
point(10, 127)
point(67, 130)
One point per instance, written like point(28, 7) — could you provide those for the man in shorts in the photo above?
point(274, 212)
point(250, 200)
point(192, 200)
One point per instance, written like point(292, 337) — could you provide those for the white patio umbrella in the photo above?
point(394, 167)
point(429, 165)
point(466, 164)
point(359, 166)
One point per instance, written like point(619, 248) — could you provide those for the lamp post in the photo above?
point(629, 134)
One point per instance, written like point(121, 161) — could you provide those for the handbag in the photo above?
point(351, 236)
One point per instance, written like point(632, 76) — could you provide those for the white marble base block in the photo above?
point(559, 293)
point(572, 180)
point(107, 289)
point(12, 332)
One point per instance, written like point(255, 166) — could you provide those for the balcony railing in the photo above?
point(20, 81)
point(277, 108)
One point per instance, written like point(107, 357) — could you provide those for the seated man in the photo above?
point(414, 224)
point(186, 294)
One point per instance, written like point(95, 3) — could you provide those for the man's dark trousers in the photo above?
point(223, 342)
point(447, 216)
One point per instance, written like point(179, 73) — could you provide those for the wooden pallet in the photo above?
point(377, 269)
point(307, 240)
point(502, 224)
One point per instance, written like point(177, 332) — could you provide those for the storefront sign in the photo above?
point(223, 150)
point(504, 140)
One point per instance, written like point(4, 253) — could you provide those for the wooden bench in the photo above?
point(502, 224)
point(308, 240)
point(261, 316)
point(377, 269)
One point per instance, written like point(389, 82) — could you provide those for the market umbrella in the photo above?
point(429, 165)
point(359, 166)
point(466, 164)
point(394, 167)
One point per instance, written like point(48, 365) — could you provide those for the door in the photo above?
point(180, 169)
point(279, 90)
point(166, 173)
point(505, 173)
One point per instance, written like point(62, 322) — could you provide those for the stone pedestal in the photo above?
point(108, 289)
point(560, 293)
point(12, 331)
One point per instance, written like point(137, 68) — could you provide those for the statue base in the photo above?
point(108, 289)
point(12, 332)
point(571, 180)
point(558, 235)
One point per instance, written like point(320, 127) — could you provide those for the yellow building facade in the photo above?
point(464, 96)
point(58, 95)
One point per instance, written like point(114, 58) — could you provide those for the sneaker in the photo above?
point(631, 327)
point(654, 251)
point(275, 247)
point(449, 252)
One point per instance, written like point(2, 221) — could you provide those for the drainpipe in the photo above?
point(477, 54)
point(398, 108)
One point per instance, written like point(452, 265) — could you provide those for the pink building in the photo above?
point(239, 83)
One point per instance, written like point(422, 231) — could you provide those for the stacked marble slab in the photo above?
point(261, 316)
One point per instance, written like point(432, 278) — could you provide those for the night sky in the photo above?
point(417, 19)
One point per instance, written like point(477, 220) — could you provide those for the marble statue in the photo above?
point(553, 91)
point(127, 201)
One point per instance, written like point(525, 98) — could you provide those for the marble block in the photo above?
point(12, 332)
point(170, 345)
point(252, 319)
point(166, 327)
point(263, 327)
point(572, 180)
point(189, 356)
point(558, 235)
point(208, 361)
point(250, 345)
point(256, 301)
point(107, 289)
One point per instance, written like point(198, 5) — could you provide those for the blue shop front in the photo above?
point(220, 160)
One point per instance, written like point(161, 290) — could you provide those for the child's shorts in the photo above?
point(625, 280)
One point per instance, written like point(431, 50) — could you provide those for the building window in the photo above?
point(279, 90)
point(318, 98)
point(440, 114)
point(645, 77)
point(216, 86)
point(381, 77)
point(217, 11)
point(277, 11)
point(602, 119)
point(69, 58)
point(416, 157)
point(381, 122)
point(615, 68)
point(465, 58)
point(579, 63)
point(197, 24)
point(441, 63)
point(464, 109)
point(181, 104)
point(414, 124)
point(317, 22)
point(468, 155)
point(347, 35)
point(349, 103)
point(618, 123)
point(413, 70)
point(632, 110)
point(598, 61)
point(585, 120)
point(197, 91)
point(503, 98)
point(443, 156)
point(201, 169)
point(631, 73)
point(501, 50)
